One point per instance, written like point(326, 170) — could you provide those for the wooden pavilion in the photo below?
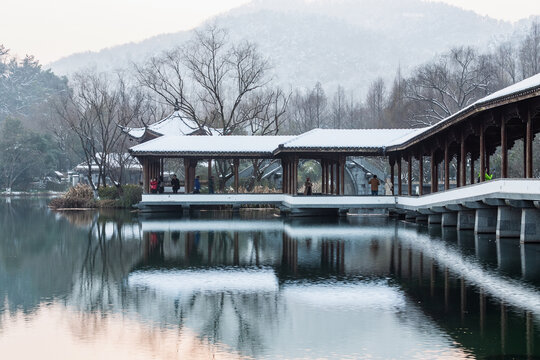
point(474, 133)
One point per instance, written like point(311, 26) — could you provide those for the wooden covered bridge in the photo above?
point(453, 153)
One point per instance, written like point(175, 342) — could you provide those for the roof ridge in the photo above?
point(296, 137)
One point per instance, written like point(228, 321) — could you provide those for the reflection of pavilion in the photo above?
point(277, 255)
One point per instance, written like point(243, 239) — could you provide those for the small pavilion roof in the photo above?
point(174, 124)
point(206, 146)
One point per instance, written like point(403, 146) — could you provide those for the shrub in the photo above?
point(108, 192)
point(131, 195)
point(79, 196)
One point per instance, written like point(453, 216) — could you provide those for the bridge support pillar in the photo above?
point(508, 222)
point(530, 225)
point(449, 219)
point(186, 210)
point(410, 216)
point(485, 221)
point(465, 220)
point(434, 219)
point(421, 218)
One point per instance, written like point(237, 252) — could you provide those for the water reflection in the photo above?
point(265, 287)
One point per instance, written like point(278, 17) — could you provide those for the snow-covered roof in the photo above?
point(210, 145)
point(113, 161)
point(173, 124)
point(375, 141)
point(349, 139)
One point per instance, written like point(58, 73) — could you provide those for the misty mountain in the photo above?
point(347, 42)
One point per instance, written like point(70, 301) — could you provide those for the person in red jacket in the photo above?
point(153, 186)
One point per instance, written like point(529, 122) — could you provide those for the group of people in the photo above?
point(157, 186)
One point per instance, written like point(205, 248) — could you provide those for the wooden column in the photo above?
point(463, 161)
point(236, 165)
point(144, 162)
point(529, 145)
point(332, 178)
point(209, 169)
point(482, 154)
point(186, 175)
point(342, 167)
point(338, 177)
point(400, 185)
point(409, 175)
point(295, 164)
point(392, 163)
point(323, 177)
point(446, 167)
point(421, 176)
point(433, 171)
point(328, 177)
point(472, 168)
point(283, 176)
point(458, 169)
point(504, 149)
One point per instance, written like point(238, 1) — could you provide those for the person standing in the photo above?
point(211, 185)
point(308, 187)
point(175, 183)
point(161, 185)
point(197, 186)
point(153, 186)
point(374, 182)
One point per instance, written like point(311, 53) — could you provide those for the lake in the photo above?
point(123, 285)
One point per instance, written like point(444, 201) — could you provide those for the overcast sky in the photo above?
point(56, 28)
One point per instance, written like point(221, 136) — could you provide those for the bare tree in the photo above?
point(212, 81)
point(454, 82)
point(94, 111)
point(376, 102)
point(529, 53)
point(338, 108)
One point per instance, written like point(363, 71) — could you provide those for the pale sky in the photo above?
point(56, 28)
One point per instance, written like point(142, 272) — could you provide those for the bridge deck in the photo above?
point(501, 189)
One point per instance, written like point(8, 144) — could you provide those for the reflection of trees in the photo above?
point(232, 318)
point(107, 260)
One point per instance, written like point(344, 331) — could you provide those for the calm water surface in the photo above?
point(100, 285)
